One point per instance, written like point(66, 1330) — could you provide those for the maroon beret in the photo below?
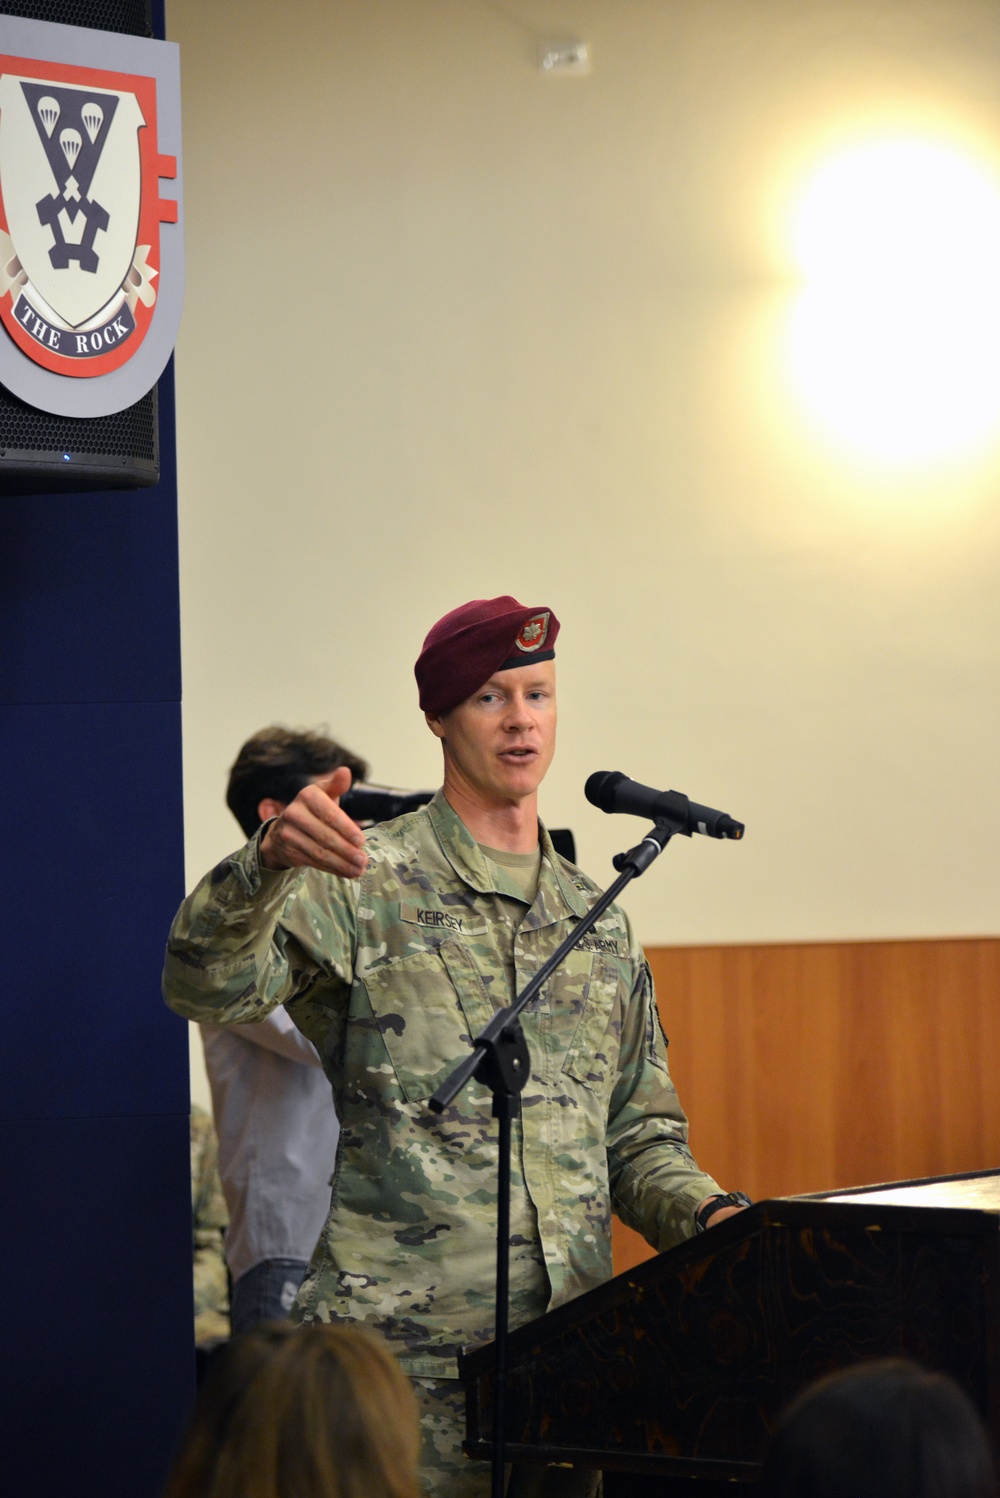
point(465, 648)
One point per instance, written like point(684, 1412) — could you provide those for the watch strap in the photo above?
point(714, 1203)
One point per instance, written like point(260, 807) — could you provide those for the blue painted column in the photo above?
point(95, 1221)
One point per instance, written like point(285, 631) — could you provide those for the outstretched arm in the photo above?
point(314, 832)
point(259, 927)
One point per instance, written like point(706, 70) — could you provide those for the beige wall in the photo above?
point(454, 328)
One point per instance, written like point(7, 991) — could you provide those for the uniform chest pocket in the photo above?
point(592, 1057)
point(428, 1005)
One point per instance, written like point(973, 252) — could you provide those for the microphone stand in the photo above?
point(501, 1061)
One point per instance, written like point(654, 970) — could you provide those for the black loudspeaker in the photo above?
point(44, 454)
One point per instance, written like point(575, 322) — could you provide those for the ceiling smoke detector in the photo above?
point(563, 55)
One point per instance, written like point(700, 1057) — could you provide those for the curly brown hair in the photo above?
point(276, 762)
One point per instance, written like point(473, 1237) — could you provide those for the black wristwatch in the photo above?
point(705, 1211)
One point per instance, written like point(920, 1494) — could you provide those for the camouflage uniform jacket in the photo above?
point(209, 1220)
point(389, 976)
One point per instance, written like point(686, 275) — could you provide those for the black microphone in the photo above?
point(368, 804)
point(613, 791)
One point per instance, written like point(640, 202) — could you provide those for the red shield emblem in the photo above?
point(533, 633)
point(80, 213)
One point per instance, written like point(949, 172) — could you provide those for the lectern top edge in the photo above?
point(965, 1205)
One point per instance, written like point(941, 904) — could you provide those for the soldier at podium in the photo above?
point(390, 950)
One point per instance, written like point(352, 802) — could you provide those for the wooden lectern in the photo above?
point(675, 1372)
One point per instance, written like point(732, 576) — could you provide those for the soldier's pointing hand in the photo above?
point(313, 832)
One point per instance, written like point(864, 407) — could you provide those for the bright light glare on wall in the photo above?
point(896, 335)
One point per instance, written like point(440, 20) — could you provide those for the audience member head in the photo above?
point(883, 1429)
point(274, 765)
point(301, 1412)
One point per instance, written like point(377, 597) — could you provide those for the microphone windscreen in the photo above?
point(600, 788)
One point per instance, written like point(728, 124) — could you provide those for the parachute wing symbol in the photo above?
point(93, 119)
point(48, 112)
point(71, 141)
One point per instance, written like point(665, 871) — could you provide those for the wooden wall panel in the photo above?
point(805, 1067)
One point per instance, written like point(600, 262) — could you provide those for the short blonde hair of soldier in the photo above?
point(301, 1412)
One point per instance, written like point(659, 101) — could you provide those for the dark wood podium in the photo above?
point(676, 1371)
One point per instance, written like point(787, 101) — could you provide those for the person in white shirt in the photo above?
point(274, 1114)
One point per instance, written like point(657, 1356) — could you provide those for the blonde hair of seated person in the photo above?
point(301, 1412)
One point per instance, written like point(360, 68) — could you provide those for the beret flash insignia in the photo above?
point(533, 632)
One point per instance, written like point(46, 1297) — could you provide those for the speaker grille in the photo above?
point(129, 16)
point(43, 454)
point(130, 433)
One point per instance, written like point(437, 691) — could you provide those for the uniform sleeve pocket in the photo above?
point(422, 1015)
point(592, 1057)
